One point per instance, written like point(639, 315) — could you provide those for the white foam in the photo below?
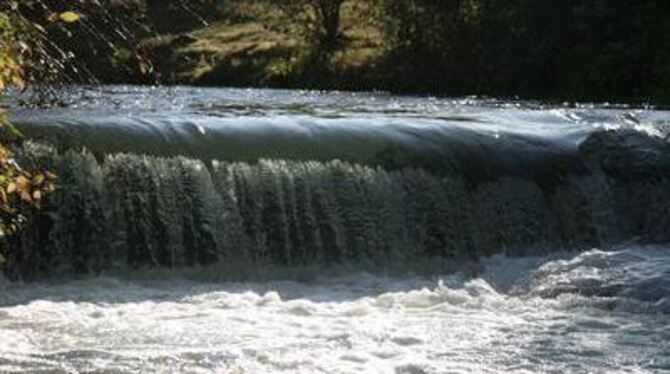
point(495, 322)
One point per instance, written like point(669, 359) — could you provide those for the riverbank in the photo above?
point(254, 45)
point(259, 44)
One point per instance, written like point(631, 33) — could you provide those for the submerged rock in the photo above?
point(627, 154)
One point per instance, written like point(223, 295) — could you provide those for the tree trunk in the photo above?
point(328, 13)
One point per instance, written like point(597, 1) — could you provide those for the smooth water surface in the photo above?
point(248, 124)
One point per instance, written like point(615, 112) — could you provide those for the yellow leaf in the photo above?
point(38, 179)
point(69, 17)
point(11, 188)
point(22, 183)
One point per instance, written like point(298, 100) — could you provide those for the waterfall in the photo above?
point(249, 179)
point(140, 211)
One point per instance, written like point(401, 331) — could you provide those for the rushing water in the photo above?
point(597, 312)
point(325, 204)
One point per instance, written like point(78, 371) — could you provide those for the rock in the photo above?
point(627, 154)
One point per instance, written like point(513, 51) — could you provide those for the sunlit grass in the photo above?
point(256, 41)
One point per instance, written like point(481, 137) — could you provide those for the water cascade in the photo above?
point(294, 190)
point(263, 231)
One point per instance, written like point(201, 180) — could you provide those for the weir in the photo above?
point(294, 192)
point(139, 211)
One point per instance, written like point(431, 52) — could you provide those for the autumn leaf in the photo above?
point(22, 183)
point(69, 17)
point(26, 197)
point(38, 179)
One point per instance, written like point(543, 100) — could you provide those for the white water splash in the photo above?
point(596, 312)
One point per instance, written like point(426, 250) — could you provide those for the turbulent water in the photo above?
point(326, 203)
point(598, 312)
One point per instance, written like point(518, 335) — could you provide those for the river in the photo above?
point(252, 231)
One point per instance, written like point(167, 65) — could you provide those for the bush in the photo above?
point(23, 184)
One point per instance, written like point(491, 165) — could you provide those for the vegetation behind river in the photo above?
point(576, 50)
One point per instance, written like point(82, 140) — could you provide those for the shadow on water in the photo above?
point(318, 284)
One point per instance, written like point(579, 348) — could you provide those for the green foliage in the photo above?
point(575, 50)
point(23, 184)
point(92, 41)
point(572, 50)
point(176, 16)
point(320, 20)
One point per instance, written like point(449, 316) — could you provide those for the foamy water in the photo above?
point(594, 312)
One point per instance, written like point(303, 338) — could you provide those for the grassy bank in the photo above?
point(592, 50)
point(257, 44)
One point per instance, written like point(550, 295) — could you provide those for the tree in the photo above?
point(588, 50)
point(328, 20)
point(321, 18)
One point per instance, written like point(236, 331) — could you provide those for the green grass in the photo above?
point(256, 43)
